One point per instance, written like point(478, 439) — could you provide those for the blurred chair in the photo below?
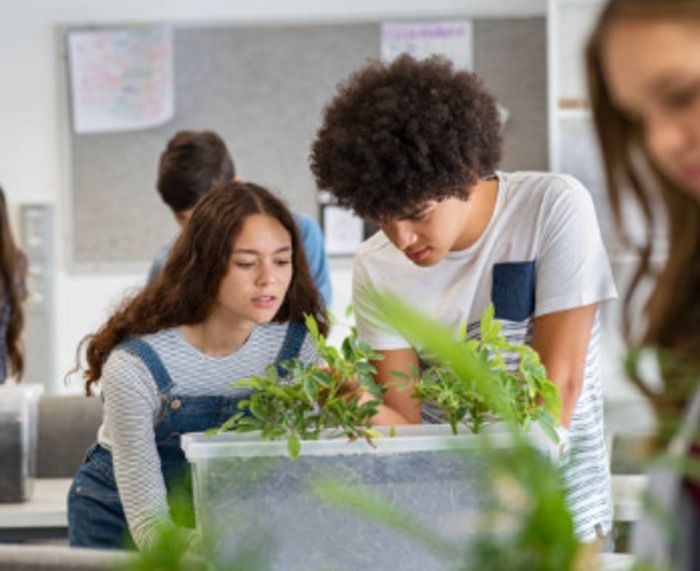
point(67, 426)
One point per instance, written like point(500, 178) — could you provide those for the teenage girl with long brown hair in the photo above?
point(644, 77)
point(229, 302)
point(13, 266)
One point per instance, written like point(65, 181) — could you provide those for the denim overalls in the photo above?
point(95, 514)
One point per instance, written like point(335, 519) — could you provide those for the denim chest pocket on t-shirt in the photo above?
point(513, 290)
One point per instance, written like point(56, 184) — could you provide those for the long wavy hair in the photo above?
point(671, 315)
point(13, 265)
point(186, 290)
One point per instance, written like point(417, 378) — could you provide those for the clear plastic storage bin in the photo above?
point(248, 490)
point(18, 428)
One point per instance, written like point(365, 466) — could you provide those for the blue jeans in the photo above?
point(95, 515)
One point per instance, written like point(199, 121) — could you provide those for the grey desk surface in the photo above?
point(615, 562)
point(46, 508)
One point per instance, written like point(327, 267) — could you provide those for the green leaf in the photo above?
point(293, 446)
point(364, 367)
point(322, 377)
point(310, 389)
point(439, 341)
point(311, 325)
point(348, 348)
point(256, 407)
point(373, 433)
point(271, 375)
point(253, 383)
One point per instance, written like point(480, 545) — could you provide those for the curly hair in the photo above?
point(398, 135)
point(186, 290)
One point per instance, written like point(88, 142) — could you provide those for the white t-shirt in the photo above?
point(541, 252)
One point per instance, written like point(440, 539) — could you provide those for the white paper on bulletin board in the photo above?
point(453, 40)
point(121, 79)
point(342, 229)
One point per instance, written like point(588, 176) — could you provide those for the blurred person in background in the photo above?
point(12, 294)
point(643, 62)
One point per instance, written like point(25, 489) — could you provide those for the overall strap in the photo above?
point(139, 348)
point(293, 340)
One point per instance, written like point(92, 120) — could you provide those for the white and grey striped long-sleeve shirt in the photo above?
point(132, 405)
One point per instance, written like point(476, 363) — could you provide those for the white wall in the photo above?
point(33, 114)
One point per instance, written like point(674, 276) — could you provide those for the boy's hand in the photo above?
point(542, 441)
point(345, 389)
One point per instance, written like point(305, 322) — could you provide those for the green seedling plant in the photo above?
point(526, 393)
point(468, 379)
point(311, 398)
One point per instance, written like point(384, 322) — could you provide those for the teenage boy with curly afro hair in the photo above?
point(414, 145)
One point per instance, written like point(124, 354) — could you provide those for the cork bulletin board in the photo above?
point(263, 88)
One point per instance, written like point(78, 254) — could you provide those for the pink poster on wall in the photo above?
point(451, 39)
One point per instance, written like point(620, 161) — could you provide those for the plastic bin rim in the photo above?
point(199, 446)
